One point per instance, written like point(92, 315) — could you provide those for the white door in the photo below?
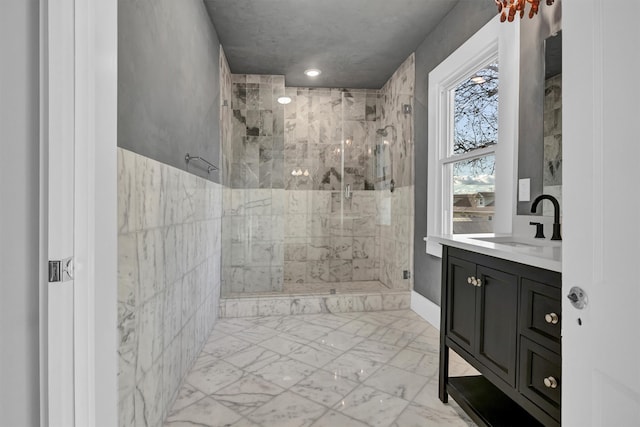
point(601, 224)
point(78, 208)
point(57, 101)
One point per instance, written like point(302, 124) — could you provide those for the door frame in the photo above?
point(94, 48)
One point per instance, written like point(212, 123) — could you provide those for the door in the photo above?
point(461, 303)
point(600, 343)
point(497, 311)
point(57, 100)
point(78, 180)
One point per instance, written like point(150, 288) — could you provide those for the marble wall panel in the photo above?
point(168, 281)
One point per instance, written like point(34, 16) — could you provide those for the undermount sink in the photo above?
point(519, 242)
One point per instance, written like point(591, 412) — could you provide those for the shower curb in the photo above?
point(281, 305)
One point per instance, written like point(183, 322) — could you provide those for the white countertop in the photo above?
point(542, 253)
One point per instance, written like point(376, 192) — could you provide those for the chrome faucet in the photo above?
point(556, 213)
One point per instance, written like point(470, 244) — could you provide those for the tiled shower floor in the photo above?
point(320, 370)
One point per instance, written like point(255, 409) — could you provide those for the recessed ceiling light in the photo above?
point(284, 100)
point(312, 72)
point(478, 79)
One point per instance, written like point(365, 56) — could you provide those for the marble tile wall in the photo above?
point(397, 208)
point(169, 252)
point(226, 124)
point(257, 142)
point(321, 127)
point(397, 92)
point(253, 229)
point(329, 238)
point(396, 237)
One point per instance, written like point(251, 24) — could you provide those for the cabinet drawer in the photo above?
point(541, 313)
point(540, 376)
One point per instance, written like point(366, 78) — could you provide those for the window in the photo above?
point(473, 98)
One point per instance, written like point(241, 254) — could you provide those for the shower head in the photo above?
point(383, 131)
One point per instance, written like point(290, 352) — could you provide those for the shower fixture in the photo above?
point(383, 131)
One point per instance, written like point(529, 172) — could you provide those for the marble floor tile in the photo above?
point(336, 419)
point(397, 382)
point(247, 394)
point(225, 346)
point(374, 350)
point(281, 345)
point(256, 334)
point(371, 406)
point(212, 376)
point(425, 364)
point(340, 340)
point(318, 370)
point(206, 411)
point(284, 372)
point(315, 354)
point(288, 410)
point(352, 367)
point(324, 387)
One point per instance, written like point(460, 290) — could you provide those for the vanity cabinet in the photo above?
point(503, 318)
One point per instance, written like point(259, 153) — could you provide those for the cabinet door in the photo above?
point(461, 302)
point(497, 309)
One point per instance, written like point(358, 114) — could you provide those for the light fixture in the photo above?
point(478, 79)
point(306, 172)
point(284, 100)
point(509, 8)
point(312, 72)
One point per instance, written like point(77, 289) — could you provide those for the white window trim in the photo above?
point(494, 39)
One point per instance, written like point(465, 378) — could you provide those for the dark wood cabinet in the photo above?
point(504, 319)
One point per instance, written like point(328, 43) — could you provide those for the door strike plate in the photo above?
point(61, 270)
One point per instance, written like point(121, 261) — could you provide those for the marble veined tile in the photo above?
point(399, 383)
point(376, 351)
point(225, 346)
point(339, 340)
point(205, 412)
point(324, 387)
point(187, 395)
point(415, 361)
point(352, 367)
point(253, 358)
point(372, 406)
point(284, 371)
point(247, 394)
point(315, 354)
point(430, 408)
point(281, 345)
point(288, 410)
point(419, 416)
point(212, 375)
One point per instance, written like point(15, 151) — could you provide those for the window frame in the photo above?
point(493, 41)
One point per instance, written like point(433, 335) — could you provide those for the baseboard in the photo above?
point(426, 309)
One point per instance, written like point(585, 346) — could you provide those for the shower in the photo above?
point(383, 131)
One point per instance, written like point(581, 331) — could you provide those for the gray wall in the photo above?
point(464, 20)
point(168, 82)
point(19, 194)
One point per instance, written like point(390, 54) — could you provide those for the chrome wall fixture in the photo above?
point(210, 166)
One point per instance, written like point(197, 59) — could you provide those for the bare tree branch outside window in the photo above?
point(476, 118)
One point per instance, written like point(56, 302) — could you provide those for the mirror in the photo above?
point(552, 120)
point(539, 137)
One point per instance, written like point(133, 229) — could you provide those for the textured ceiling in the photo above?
point(356, 43)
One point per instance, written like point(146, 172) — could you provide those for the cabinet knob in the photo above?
point(550, 382)
point(470, 280)
point(551, 318)
point(478, 282)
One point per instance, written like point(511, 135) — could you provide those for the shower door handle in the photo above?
point(347, 191)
